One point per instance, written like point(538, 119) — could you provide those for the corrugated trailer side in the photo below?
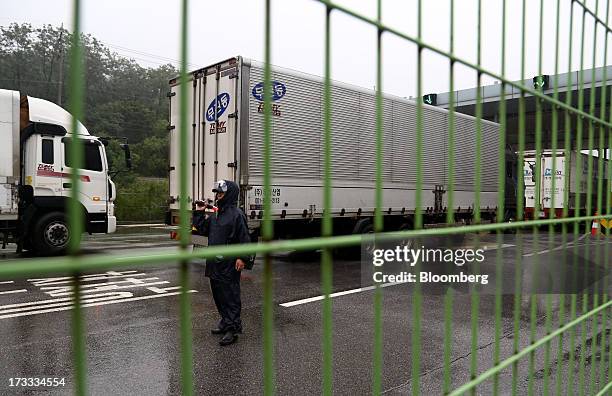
point(226, 141)
point(297, 150)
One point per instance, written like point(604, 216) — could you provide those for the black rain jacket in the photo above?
point(225, 227)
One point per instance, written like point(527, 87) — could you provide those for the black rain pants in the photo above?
point(227, 300)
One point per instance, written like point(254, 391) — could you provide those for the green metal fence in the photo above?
point(595, 306)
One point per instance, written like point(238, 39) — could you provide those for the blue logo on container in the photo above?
point(217, 106)
point(278, 91)
point(547, 172)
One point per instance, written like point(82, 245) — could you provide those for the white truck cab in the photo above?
point(35, 176)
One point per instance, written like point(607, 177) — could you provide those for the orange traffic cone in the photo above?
point(595, 226)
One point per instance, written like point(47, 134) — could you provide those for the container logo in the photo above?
point(549, 172)
point(278, 91)
point(217, 107)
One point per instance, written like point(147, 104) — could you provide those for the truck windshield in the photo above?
point(92, 160)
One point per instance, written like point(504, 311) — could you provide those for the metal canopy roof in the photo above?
point(465, 102)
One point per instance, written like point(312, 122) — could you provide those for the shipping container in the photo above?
point(571, 178)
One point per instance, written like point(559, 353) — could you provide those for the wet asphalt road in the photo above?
point(133, 328)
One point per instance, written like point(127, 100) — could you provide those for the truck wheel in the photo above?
point(51, 234)
point(409, 242)
point(363, 226)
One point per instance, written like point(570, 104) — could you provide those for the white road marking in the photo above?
point(110, 287)
point(140, 225)
point(367, 288)
point(137, 245)
point(130, 237)
point(92, 303)
point(14, 291)
point(490, 247)
point(555, 248)
point(33, 306)
point(337, 294)
point(6, 282)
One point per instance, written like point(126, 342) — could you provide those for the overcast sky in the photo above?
point(148, 31)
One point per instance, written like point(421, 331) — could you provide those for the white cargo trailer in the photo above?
point(226, 141)
point(35, 176)
point(568, 172)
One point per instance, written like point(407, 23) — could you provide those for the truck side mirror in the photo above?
point(128, 156)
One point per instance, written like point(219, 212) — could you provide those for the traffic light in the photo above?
point(541, 82)
point(430, 99)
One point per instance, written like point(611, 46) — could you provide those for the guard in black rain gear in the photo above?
point(228, 225)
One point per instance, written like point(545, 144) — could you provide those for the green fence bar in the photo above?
point(537, 208)
point(520, 207)
point(606, 208)
point(326, 226)
point(572, 310)
point(184, 215)
point(475, 297)
point(450, 219)
point(267, 229)
point(501, 204)
point(75, 215)
point(418, 215)
point(552, 215)
point(594, 321)
point(43, 266)
point(580, 130)
point(377, 356)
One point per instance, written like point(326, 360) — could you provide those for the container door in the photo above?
point(529, 183)
point(548, 195)
point(173, 168)
point(175, 160)
point(219, 105)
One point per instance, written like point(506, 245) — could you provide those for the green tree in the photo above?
point(142, 200)
point(122, 100)
point(152, 157)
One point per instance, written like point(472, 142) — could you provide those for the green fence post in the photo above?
point(185, 219)
point(448, 298)
point(267, 230)
point(326, 227)
point(75, 218)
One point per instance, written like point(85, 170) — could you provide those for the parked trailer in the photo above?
point(568, 169)
point(226, 141)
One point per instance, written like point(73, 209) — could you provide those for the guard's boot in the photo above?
point(228, 338)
